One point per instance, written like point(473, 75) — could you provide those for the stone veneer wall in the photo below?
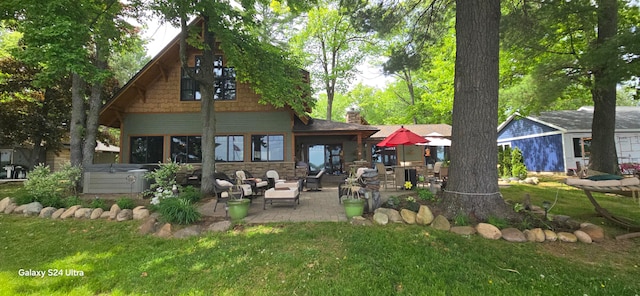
point(286, 170)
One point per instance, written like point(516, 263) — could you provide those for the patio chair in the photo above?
point(272, 178)
point(313, 183)
point(257, 184)
point(436, 169)
point(388, 174)
point(246, 188)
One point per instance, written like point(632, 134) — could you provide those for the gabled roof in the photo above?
point(627, 118)
point(421, 129)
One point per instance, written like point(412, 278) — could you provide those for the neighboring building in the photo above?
point(554, 141)
point(158, 114)
point(391, 156)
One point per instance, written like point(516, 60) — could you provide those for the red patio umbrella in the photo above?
point(402, 136)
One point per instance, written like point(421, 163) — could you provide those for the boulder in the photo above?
point(359, 220)
point(10, 207)
point(82, 213)
point(164, 231)
point(19, 209)
point(105, 215)
point(380, 218)
point(32, 209)
point(488, 231)
point(58, 213)
point(441, 223)
point(529, 235)
point(140, 213)
point(47, 212)
point(463, 230)
point(594, 231)
point(96, 213)
point(550, 236)
point(582, 236)
point(114, 211)
point(147, 226)
point(513, 235)
point(69, 212)
point(424, 216)
point(408, 216)
point(4, 203)
point(124, 215)
point(567, 237)
point(190, 231)
point(394, 216)
point(221, 226)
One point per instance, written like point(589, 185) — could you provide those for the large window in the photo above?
point(186, 149)
point(225, 83)
point(581, 145)
point(145, 149)
point(267, 147)
point(229, 148)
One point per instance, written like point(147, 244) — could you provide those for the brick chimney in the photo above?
point(353, 114)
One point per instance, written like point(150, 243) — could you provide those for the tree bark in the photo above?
point(603, 149)
point(95, 102)
point(472, 188)
point(77, 119)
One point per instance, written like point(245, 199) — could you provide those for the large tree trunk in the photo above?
point(603, 149)
point(77, 119)
point(473, 176)
point(95, 102)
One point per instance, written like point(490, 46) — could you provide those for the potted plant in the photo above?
point(237, 205)
point(353, 203)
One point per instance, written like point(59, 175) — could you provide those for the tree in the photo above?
point(332, 46)
point(473, 178)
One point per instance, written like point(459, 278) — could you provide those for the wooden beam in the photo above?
point(163, 72)
point(142, 92)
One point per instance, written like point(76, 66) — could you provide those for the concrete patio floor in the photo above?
point(315, 206)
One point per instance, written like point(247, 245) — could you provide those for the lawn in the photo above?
point(315, 258)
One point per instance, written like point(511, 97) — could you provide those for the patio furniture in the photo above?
point(273, 178)
point(224, 190)
point(281, 194)
point(388, 174)
point(313, 183)
point(246, 188)
point(257, 184)
point(436, 169)
point(351, 185)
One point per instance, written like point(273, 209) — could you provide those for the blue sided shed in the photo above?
point(554, 141)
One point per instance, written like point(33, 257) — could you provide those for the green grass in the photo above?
point(311, 259)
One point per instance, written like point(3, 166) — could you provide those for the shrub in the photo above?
point(99, 203)
point(178, 210)
point(425, 194)
point(163, 181)
point(71, 201)
point(412, 206)
point(125, 203)
point(393, 202)
point(498, 222)
point(504, 160)
point(49, 187)
point(518, 169)
point(191, 194)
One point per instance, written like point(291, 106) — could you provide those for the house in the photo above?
point(413, 153)
point(554, 141)
point(158, 114)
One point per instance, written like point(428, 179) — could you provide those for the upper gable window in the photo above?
point(224, 86)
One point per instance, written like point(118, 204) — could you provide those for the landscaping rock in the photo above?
point(221, 226)
point(380, 218)
point(105, 215)
point(147, 226)
point(140, 213)
point(96, 213)
point(10, 207)
point(424, 216)
point(82, 213)
point(32, 209)
point(69, 212)
point(488, 231)
point(582, 236)
point(529, 235)
point(594, 231)
point(561, 218)
point(58, 213)
point(531, 180)
point(463, 230)
point(394, 216)
point(513, 235)
point(408, 216)
point(19, 209)
point(165, 231)
point(359, 220)
point(550, 236)
point(190, 231)
point(113, 213)
point(4, 203)
point(567, 237)
point(47, 212)
point(124, 215)
point(441, 223)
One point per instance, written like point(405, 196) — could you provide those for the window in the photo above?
point(225, 83)
point(186, 149)
point(267, 147)
point(229, 148)
point(579, 144)
point(146, 149)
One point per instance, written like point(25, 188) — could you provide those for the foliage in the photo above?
point(499, 222)
point(408, 185)
point(48, 187)
point(461, 219)
point(393, 202)
point(504, 161)
point(178, 210)
point(71, 201)
point(518, 207)
point(425, 194)
point(125, 203)
point(518, 169)
point(163, 181)
point(191, 194)
point(99, 203)
point(412, 205)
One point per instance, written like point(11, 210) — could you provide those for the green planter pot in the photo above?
point(353, 207)
point(238, 209)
